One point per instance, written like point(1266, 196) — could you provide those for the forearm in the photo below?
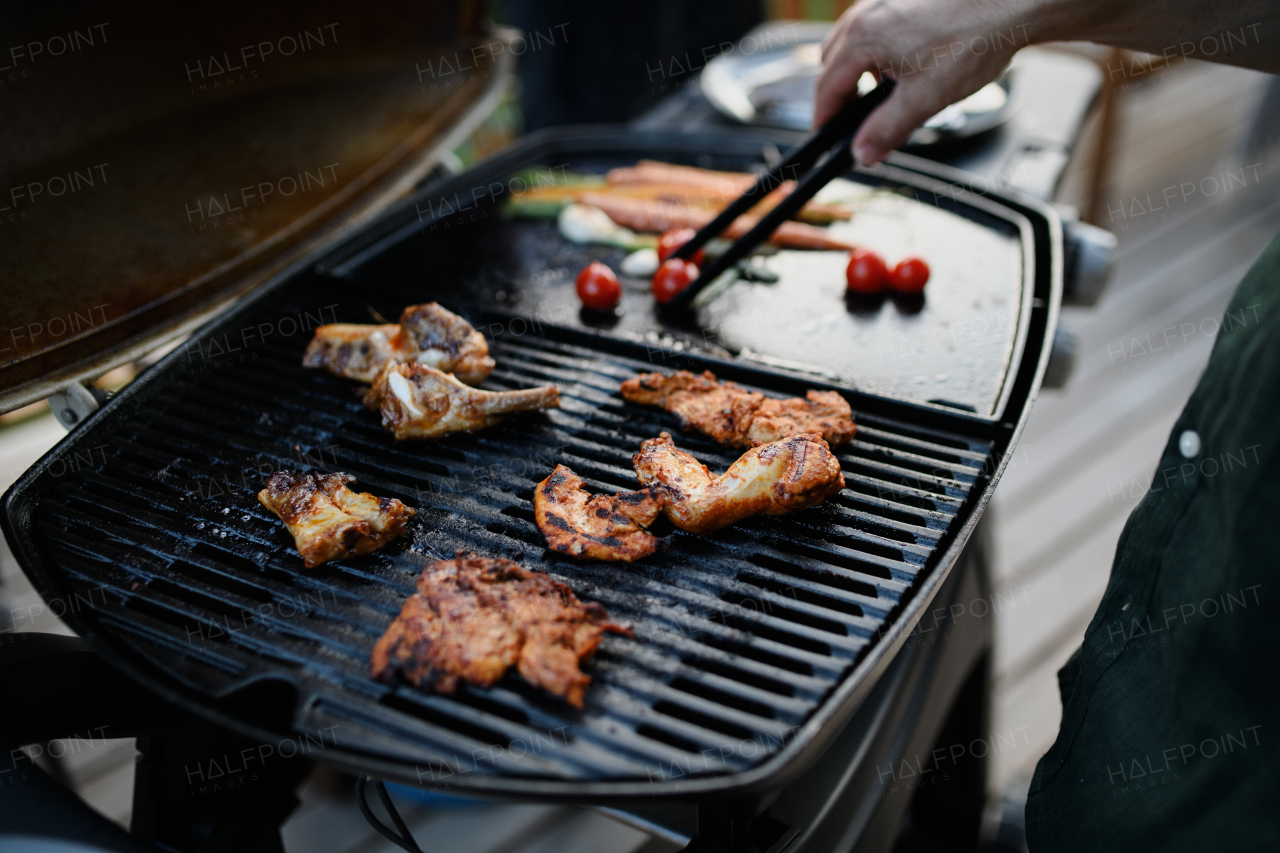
point(1236, 33)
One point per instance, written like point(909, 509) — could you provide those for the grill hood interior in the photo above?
point(163, 160)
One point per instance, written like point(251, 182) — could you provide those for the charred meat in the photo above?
point(328, 521)
point(417, 401)
point(773, 479)
point(599, 527)
point(473, 618)
point(737, 417)
point(356, 351)
point(426, 334)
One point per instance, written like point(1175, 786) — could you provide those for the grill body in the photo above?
point(753, 647)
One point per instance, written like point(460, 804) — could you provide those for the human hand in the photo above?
point(939, 51)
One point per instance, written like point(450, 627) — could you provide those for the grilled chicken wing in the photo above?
point(737, 417)
point(473, 618)
point(328, 521)
point(417, 401)
point(600, 527)
point(774, 479)
point(426, 334)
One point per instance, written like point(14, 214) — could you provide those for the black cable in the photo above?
point(405, 840)
point(395, 814)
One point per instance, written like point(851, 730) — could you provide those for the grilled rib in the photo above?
point(599, 527)
point(774, 479)
point(737, 417)
point(426, 334)
point(473, 618)
point(328, 521)
point(417, 401)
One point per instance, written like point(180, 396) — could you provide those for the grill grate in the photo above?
point(739, 636)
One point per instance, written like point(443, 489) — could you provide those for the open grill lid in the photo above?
point(162, 161)
point(753, 646)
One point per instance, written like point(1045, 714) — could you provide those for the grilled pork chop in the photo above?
point(600, 527)
point(472, 618)
point(427, 334)
point(328, 521)
point(774, 479)
point(737, 417)
point(417, 401)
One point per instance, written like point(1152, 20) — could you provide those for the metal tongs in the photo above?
point(835, 139)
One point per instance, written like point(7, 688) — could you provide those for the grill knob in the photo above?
point(1088, 255)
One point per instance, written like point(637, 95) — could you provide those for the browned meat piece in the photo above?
point(417, 401)
point(603, 527)
point(447, 342)
point(427, 334)
point(737, 417)
point(823, 412)
point(329, 521)
point(774, 479)
point(472, 618)
point(356, 351)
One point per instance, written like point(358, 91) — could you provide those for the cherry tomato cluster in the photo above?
point(598, 286)
point(867, 274)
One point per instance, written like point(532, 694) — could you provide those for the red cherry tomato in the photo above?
point(672, 277)
point(909, 275)
point(866, 273)
point(672, 240)
point(598, 287)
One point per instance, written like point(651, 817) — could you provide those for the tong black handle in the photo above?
point(840, 131)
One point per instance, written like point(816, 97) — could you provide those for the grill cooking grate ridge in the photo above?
point(739, 636)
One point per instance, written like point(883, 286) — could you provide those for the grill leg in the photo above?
point(737, 828)
point(724, 829)
point(206, 789)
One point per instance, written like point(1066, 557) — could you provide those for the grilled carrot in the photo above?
point(658, 216)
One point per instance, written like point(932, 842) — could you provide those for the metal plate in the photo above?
point(951, 348)
point(774, 86)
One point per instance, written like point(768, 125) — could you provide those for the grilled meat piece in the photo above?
point(774, 479)
point(417, 401)
point(472, 618)
point(356, 350)
point(737, 417)
point(328, 521)
point(600, 527)
point(427, 334)
point(823, 412)
point(447, 342)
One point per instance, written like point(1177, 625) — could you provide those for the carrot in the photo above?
point(657, 216)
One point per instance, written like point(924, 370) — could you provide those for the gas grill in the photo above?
point(781, 669)
point(754, 647)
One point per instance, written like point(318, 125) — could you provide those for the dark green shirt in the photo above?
point(1171, 707)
